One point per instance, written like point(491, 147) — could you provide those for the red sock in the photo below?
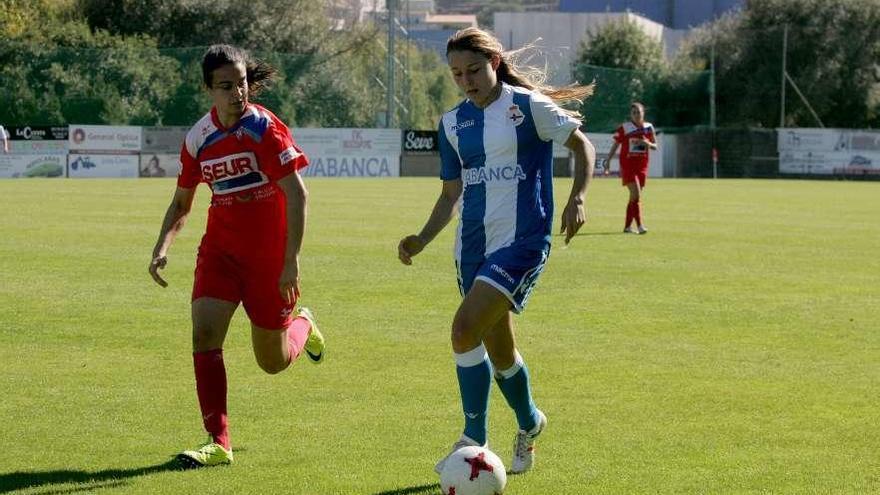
point(297, 333)
point(637, 212)
point(211, 389)
point(629, 214)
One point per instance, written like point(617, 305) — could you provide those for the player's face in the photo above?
point(474, 74)
point(229, 90)
point(637, 114)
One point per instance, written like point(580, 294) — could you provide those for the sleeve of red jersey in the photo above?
point(281, 155)
point(619, 135)
point(190, 175)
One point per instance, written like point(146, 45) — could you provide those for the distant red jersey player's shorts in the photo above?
point(628, 174)
point(242, 252)
point(634, 152)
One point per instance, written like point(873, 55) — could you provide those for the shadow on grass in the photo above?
point(432, 488)
point(588, 234)
point(108, 478)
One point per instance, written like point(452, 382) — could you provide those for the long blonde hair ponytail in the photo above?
point(512, 70)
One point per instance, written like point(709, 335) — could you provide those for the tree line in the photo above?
point(137, 62)
point(832, 51)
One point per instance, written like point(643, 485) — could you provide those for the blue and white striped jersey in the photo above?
point(504, 157)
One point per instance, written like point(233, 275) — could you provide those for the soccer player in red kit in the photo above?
point(250, 251)
point(634, 139)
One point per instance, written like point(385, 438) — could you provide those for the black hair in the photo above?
point(259, 73)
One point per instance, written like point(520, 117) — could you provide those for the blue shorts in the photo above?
point(513, 270)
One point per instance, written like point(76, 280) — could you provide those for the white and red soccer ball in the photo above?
point(473, 471)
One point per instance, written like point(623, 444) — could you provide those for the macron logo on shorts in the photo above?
point(497, 269)
point(288, 155)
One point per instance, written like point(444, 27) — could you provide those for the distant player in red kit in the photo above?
point(250, 251)
point(634, 139)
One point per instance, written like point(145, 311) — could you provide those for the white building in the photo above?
point(561, 34)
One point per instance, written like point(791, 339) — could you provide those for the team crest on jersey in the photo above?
point(515, 115)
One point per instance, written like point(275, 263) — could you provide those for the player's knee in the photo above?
point(206, 338)
point(464, 332)
point(272, 366)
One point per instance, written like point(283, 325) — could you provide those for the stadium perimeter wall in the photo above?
point(128, 151)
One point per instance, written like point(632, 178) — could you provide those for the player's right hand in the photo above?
point(409, 246)
point(158, 263)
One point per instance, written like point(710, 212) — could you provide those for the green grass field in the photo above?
point(733, 349)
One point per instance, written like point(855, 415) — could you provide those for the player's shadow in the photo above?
point(585, 234)
point(87, 480)
point(412, 490)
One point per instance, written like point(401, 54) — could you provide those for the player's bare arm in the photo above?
point(441, 215)
point(575, 213)
point(297, 197)
point(606, 165)
point(175, 218)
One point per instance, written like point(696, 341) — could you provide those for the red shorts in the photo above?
point(251, 280)
point(632, 174)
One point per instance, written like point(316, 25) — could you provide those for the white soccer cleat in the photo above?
point(642, 229)
point(629, 230)
point(524, 446)
point(464, 441)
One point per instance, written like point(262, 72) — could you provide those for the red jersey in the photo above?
point(241, 164)
point(634, 153)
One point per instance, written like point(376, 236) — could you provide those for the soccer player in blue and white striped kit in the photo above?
point(496, 149)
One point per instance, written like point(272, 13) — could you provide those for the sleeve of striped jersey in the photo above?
point(190, 174)
point(551, 122)
point(450, 165)
point(281, 156)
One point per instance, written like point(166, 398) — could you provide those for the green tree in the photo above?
point(627, 65)
point(63, 72)
point(833, 49)
point(622, 45)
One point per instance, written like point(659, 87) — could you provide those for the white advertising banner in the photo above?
point(32, 165)
point(829, 163)
point(163, 139)
point(159, 165)
point(82, 165)
point(37, 147)
point(797, 139)
point(829, 151)
point(350, 152)
point(105, 138)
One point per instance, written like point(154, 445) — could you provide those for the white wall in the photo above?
point(561, 34)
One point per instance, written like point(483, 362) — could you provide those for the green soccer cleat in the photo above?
point(315, 346)
point(209, 454)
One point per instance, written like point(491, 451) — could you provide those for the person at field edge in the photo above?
point(634, 138)
point(5, 137)
point(496, 150)
point(250, 250)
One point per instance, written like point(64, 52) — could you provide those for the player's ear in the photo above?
point(495, 61)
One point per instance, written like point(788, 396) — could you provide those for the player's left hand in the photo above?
point(573, 217)
point(288, 284)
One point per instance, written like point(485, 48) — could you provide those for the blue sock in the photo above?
point(514, 384)
point(474, 381)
